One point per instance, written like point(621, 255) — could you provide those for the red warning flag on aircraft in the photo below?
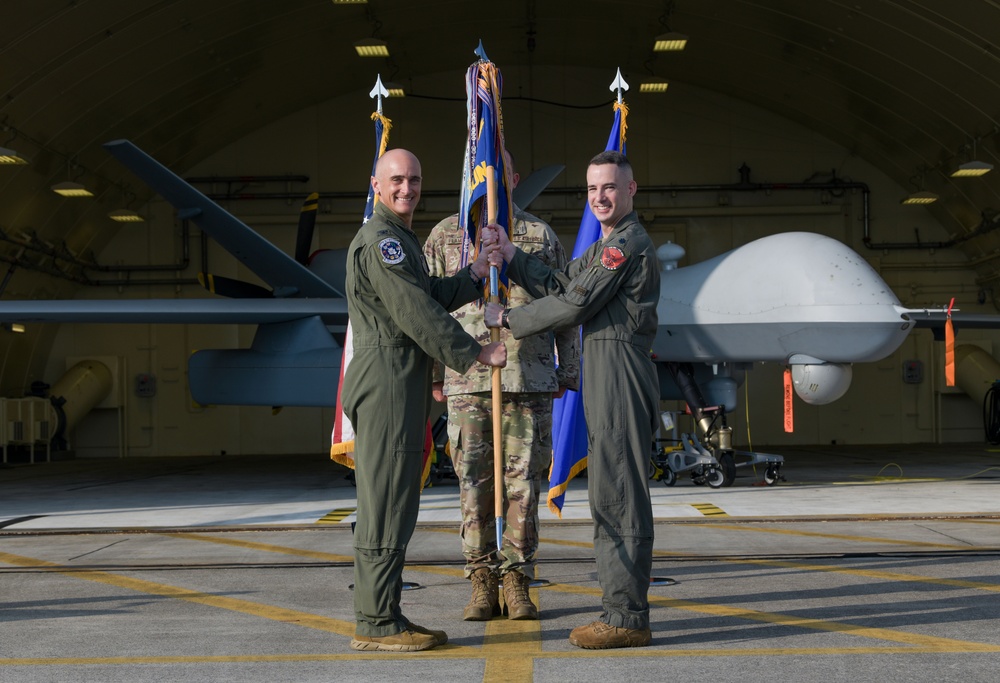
point(949, 348)
point(788, 390)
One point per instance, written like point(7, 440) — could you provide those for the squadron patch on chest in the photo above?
point(392, 251)
point(612, 258)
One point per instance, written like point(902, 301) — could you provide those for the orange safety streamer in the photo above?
point(789, 421)
point(949, 349)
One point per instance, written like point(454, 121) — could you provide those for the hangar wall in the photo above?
point(687, 136)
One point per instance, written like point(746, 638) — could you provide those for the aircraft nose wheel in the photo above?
point(772, 475)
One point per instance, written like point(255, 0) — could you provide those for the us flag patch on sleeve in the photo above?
point(612, 258)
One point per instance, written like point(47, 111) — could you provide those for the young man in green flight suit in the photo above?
point(612, 290)
point(400, 322)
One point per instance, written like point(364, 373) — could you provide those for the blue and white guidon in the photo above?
point(392, 251)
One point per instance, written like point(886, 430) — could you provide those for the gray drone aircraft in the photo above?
point(817, 313)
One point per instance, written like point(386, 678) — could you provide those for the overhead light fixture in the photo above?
point(9, 157)
point(125, 216)
point(71, 189)
point(654, 85)
point(920, 198)
point(395, 90)
point(349, 2)
point(971, 169)
point(372, 47)
point(14, 327)
point(670, 42)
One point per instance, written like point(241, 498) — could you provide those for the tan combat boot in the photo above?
point(485, 601)
point(517, 604)
point(598, 636)
point(405, 641)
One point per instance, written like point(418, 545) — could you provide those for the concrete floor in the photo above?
point(866, 564)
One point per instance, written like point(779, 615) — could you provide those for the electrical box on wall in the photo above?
point(145, 385)
point(913, 371)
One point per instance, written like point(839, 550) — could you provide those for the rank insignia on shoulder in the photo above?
point(612, 258)
point(392, 251)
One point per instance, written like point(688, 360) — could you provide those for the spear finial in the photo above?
point(481, 52)
point(378, 92)
point(619, 85)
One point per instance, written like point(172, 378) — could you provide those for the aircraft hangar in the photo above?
point(780, 122)
point(776, 116)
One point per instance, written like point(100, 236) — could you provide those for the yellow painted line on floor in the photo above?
point(447, 653)
point(709, 510)
point(513, 645)
point(878, 574)
point(336, 516)
point(934, 643)
point(840, 537)
point(271, 612)
point(515, 639)
point(264, 547)
point(510, 647)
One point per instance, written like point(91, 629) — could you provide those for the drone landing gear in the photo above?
point(705, 468)
point(708, 456)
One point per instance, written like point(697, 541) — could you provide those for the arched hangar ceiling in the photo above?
point(909, 85)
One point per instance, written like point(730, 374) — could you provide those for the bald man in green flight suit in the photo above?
point(400, 321)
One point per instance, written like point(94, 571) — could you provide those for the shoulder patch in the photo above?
point(612, 258)
point(392, 251)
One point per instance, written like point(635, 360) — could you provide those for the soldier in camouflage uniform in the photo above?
point(530, 381)
point(612, 290)
point(399, 315)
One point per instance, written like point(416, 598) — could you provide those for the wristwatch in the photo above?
point(503, 318)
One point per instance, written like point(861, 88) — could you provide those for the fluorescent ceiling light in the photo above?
point(972, 169)
point(9, 157)
point(126, 216)
point(670, 42)
point(920, 198)
point(15, 327)
point(395, 90)
point(372, 47)
point(653, 85)
point(349, 2)
point(71, 189)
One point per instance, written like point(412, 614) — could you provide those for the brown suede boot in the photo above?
point(598, 636)
point(485, 601)
point(517, 603)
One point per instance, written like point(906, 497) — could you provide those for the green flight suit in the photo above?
point(400, 324)
point(612, 291)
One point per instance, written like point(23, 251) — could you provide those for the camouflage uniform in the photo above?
point(612, 290)
point(529, 381)
point(400, 321)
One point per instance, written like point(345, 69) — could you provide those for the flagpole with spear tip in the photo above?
point(378, 92)
point(619, 85)
point(498, 479)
